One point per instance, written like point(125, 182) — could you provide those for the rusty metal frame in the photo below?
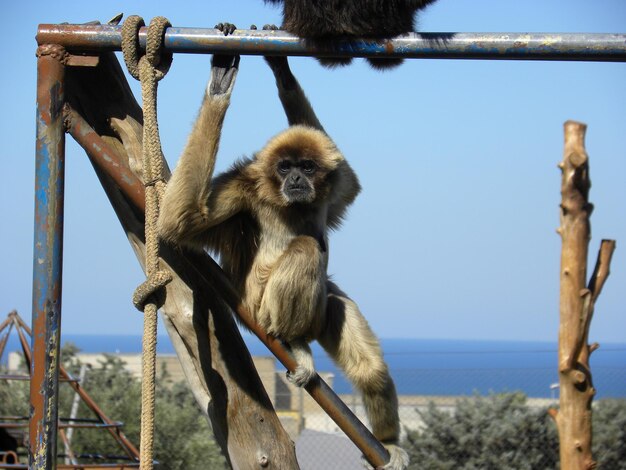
point(520, 46)
point(47, 256)
point(53, 41)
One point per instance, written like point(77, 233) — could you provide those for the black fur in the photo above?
point(321, 20)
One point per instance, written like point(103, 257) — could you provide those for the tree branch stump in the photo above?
point(577, 301)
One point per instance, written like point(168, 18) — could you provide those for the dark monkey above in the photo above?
point(321, 20)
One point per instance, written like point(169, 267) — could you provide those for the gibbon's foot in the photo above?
point(226, 28)
point(301, 376)
point(270, 27)
point(384, 64)
point(305, 370)
point(334, 62)
point(398, 458)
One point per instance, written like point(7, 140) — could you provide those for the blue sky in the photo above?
point(454, 233)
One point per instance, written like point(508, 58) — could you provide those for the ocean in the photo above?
point(432, 366)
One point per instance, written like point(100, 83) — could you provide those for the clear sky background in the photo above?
point(453, 235)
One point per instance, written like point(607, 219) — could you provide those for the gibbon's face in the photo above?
point(297, 177)
point(296, 167)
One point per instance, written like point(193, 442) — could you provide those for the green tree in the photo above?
point(183, 438)
point(502, 431)
point(609, 434)
point(14, 408)
point(117, 394)
point(14, 397)
point(490, 433)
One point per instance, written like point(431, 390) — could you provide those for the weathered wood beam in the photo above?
point(202, 329)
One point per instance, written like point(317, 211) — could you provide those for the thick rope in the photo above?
point(149, 296)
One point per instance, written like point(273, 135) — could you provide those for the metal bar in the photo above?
point(518, 46)
point(4, 339)
point(26, 377)
point(19, 323)
point(112, 426)
point(47, 257)
point(25, 347)
point(69, 453)
point(85, 466)
point(106, 160)
point(8, 320)
point(5, 425)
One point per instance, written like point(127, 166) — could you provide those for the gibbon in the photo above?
point(268, 219)
point(335, 19)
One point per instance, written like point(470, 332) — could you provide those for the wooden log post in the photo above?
point(214, 358)
point(577, 301)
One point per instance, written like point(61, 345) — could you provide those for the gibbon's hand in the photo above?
point(223, 67)
point(278, 64)
point(226, 28)
point(398, 459)
point(223, 73)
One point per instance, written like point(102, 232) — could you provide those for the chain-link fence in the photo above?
point(455, 413)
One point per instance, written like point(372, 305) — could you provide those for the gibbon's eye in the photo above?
point(284, 166)
point(308, 166)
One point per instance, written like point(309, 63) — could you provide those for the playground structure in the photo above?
point(12, 424)
point(81, 90)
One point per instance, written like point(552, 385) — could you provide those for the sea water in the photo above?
point(431, 366)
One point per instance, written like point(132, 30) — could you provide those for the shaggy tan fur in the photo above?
point(275, 251)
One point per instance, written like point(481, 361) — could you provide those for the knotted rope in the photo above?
point(150, 295)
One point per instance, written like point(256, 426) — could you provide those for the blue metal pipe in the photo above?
point(519, 46)
point(47, 258)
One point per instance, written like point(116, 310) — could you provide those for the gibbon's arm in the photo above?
point(343, 195)
point(295, 103)
point(189, 207)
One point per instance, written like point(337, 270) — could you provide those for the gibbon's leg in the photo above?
point(293, 303)
point(351, 343)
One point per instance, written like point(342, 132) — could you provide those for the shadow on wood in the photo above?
point(213, 355)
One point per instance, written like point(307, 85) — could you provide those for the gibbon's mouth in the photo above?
point(297, 188)
point(297, 193)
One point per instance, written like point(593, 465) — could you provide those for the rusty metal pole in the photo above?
point(607, 47)
point(47, 257)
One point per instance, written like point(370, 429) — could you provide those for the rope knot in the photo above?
point(151, 290)
point(155, 54)
point(155, 57)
